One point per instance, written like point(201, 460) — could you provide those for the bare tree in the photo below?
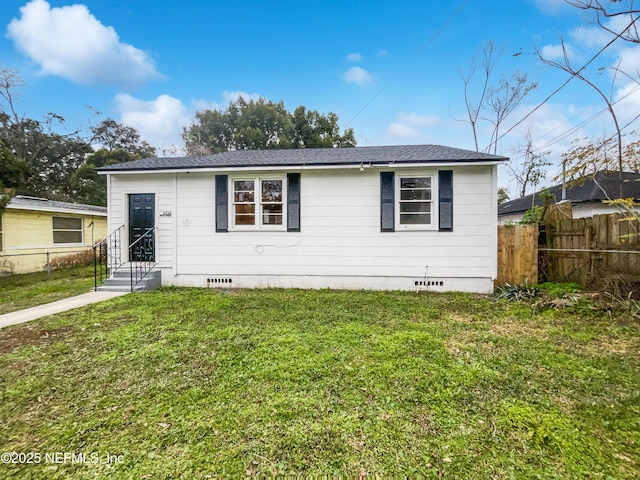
point(10, 81)
point(473, 107)
point(565, 66)
point(494, 103)
point(612, 9)
point(504, 98)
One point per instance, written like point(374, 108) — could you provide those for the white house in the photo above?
point(397, 217)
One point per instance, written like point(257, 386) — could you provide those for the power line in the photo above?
point(433, 37)
point(565, 134)
point(563, 85)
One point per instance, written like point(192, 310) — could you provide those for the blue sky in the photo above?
point(389, 69)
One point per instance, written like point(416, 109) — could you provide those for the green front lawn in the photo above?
point(18, 292)
point(195, 383)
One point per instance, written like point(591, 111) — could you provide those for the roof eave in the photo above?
point(289, 167)
point(58, 210)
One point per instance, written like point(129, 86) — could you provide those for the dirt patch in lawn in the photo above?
point(13, 338)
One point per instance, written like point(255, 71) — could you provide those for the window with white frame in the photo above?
point(258, 203)
point(415, 204)
point(67, 230)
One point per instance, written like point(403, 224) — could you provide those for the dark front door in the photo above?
point(141, 221)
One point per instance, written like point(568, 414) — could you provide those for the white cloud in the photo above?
point(70, 42)
point(354, 57)
point(229, 97)
point(627, 103)
point(415, 120)
point(551, 7)
point(400, 131)
point(555, 52)
point(590, 37)
point(408, 127)
point(159, 121)
point(629, 62)
point(359, 76)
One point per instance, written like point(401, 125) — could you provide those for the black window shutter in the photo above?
point(387, 200)
point(445, 200)
point(293, 202)
point(222, 204)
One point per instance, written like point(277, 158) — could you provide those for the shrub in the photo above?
point(73, 260)
point(517, 292)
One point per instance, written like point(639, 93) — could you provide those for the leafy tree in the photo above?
point(111, 135)
point(587, 156)
point(13, 172)
point(91, 188)
point(7, 176)
point(503, 195)
point(532, 216)
point(41, 161)
point(118, 143)
point(56, 166)
point(262, 124)
point(313, 130)
point(36, 160)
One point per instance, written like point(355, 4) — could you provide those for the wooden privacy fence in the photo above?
point(592, 251)
point(601, 252)
point(517, 254)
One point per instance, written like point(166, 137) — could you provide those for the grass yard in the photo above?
point(196, 383)
point(18, 292)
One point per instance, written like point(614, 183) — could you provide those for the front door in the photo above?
point(141, 221)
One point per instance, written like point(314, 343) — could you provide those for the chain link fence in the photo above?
point(616, 272)
point(12, 264)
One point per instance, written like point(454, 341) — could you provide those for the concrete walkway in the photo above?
point(70, 303)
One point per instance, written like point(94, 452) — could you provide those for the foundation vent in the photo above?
point(428, 283)
point(218, 281)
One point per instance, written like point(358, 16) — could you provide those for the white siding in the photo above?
point(340, 244)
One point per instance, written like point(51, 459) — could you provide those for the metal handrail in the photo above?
point(107, 256)
point(141, 257)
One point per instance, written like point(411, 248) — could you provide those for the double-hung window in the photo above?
point(67, 230)
point(258, 203)
point(415, 204)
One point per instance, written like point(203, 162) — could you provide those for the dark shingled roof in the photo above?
point(35, 203)
point(310, 157)
point(589, 191)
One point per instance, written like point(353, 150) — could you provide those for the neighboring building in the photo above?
point(31, 227)
point(586, 197)
point(399, 217)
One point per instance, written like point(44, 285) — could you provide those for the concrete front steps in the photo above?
point(120, 281)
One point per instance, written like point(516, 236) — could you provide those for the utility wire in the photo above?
point(411, 60)
point(565, 134)
point(563, 85)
